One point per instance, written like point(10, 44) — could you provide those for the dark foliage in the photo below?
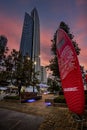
point(53, 66)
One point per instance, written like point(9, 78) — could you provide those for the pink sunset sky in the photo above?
point(51, 13)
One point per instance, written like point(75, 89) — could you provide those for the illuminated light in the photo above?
point(39, 56)
point(48, 103)
point(31, 100)
point(28, 58)
point(35, 63)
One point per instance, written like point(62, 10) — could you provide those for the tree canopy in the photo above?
point(14, 68)
point(53, 66)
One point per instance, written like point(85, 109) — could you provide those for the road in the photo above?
point(12, 120)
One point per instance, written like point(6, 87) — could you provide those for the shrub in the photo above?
point(12, 97)
point(61, 92)
point(60, 99)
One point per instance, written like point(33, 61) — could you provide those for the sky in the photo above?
point(51, 13)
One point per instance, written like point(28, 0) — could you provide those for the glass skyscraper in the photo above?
point(27, 36)
point(30, 40)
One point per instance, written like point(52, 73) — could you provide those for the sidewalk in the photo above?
point(55, 118)
point(61, 119)
point(13, 120)
point(36, 108)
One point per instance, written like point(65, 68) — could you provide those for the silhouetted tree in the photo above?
point(20, 70)
point(3, 52)
point(53, 66)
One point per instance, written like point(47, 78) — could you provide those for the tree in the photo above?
point(21, 71)
point(53, 66)
point(3, 52)
point(54, 85)
point(66, 28)
point(35, 80)
point(54, 62)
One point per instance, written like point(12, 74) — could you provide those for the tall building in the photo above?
point(3, 43)
point(43, 75)
point(26, 45)
point(30, 40)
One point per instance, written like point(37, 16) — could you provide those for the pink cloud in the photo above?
point(80, 28)
point(11, 28)
point(46, 36)
point(45, 58)
point(83, 60)
point(80, 39)
point(81, 22)
point(81, 2)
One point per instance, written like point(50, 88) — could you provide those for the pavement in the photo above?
point(49, 117)
point(13, 120)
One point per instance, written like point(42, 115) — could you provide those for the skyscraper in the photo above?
point(43, 75)
point(30, 40)
point(3, 43)
point(27, 36)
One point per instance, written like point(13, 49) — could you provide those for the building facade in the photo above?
point(3, 43)
point(30, 40)
point(27, 36)
point(43, 75)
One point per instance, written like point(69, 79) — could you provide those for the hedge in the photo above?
point(60, 99)
point(12, 97)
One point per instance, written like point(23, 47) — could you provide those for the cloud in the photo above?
point(46, 36)
point(81, 2)
point(11, 28)
point(50, 14)
point(80, 29)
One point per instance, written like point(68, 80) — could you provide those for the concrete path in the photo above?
point(12, 120)
point(53, 117)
